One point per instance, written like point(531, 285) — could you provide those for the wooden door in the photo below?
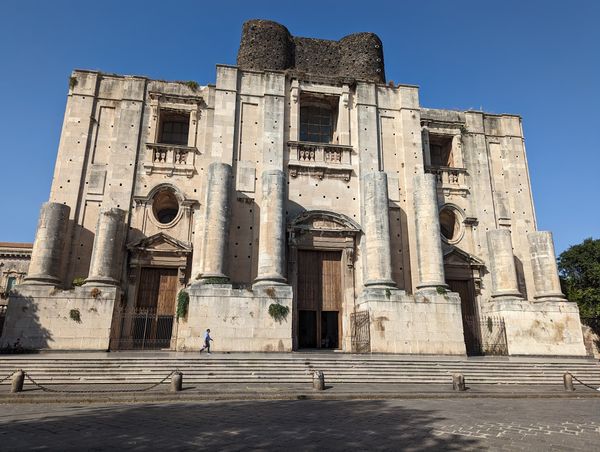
point(470, 316)
point(319, 299)
point(155, 311)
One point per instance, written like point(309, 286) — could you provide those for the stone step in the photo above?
point(283, 369)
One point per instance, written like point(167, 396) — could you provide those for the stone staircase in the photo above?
point(131, 368)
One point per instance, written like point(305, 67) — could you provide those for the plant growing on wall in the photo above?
point(75, 315)
point(441, 290)
point(183, 300)
point(79, 281)
point(278, 311)
point(191, 84)
point(72, 82)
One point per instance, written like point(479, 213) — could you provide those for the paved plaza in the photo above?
point(451, 424)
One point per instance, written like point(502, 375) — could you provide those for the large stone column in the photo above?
point(430, 259)
point(105, 265)
point(45, 266)
point(378, 268)
point(543, 264)
point(502, 264)
point(271, 246)
point(216, 221)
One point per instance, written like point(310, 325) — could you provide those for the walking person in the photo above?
point(207, 340)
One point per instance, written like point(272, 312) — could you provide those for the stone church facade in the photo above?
point(302, 203)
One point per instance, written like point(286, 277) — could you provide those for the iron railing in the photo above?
point(361, 335)
point(2, 317)
point(144, 329)
point(485, 335)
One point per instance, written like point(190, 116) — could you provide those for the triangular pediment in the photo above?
point(456, 256)
point(160, 242)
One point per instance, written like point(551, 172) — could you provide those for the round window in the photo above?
point(165, 206)
point(450, 224)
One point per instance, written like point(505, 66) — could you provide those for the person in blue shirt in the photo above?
point(207, 340)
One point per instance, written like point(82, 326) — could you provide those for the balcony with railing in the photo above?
point(321, 159)
point(170, 159)
point(449, 179)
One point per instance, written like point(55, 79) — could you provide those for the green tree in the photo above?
point(579, 268)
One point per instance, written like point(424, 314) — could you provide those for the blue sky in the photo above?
point(539, 59)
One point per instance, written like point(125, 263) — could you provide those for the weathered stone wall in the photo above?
point(238, 319)
point(267, 45)
point(428, 323)
point(42, 317)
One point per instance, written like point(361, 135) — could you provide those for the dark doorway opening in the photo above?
point(319, 298)
point(470, 317)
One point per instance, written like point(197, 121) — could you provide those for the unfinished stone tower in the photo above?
point(300, 202)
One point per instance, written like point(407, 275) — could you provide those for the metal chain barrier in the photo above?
point(90, 391)
point(581, 382)
point(8, 376)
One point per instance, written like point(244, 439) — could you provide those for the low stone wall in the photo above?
point(549, 328)
point(426, 323)
point(42, 317)
point(238, 319)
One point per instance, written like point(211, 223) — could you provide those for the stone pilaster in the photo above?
point(502, 264)
point(216, 219)
point(378, 269)
point(105, 265)
point(543, 264)
point(271, 252)
point(46, 257)
point(430, 260)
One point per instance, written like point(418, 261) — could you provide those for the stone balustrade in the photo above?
point(170, 159)
point(322, 159)
point(450, 180)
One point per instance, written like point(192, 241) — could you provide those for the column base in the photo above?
point(550, 296)
point(41, 280)
point(204, 277)
point(431, 285)
point(507, 294)
point(101, 281)
point(380, 283)
point(271, 279)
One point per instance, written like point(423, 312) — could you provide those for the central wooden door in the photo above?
point(153, 323)
point(319, 295)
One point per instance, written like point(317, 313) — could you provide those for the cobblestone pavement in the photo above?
point(450, 424)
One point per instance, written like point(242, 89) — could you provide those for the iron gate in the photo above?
point(2, 317)
point(143, 329)
point(487, 333)
point(361, 335)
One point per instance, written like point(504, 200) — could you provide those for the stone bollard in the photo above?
point(458, 382)
point(176, 382)
point(318, 380)
point(17, 381)
point(568, 382)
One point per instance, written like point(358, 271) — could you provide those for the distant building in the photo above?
point(303, 203)
point(14, 262)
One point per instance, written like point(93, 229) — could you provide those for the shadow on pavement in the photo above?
point(267, 425)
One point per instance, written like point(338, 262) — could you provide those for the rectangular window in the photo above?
point(174, 127)
point(12, 282)
point(316, 124)
point(440, 149)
